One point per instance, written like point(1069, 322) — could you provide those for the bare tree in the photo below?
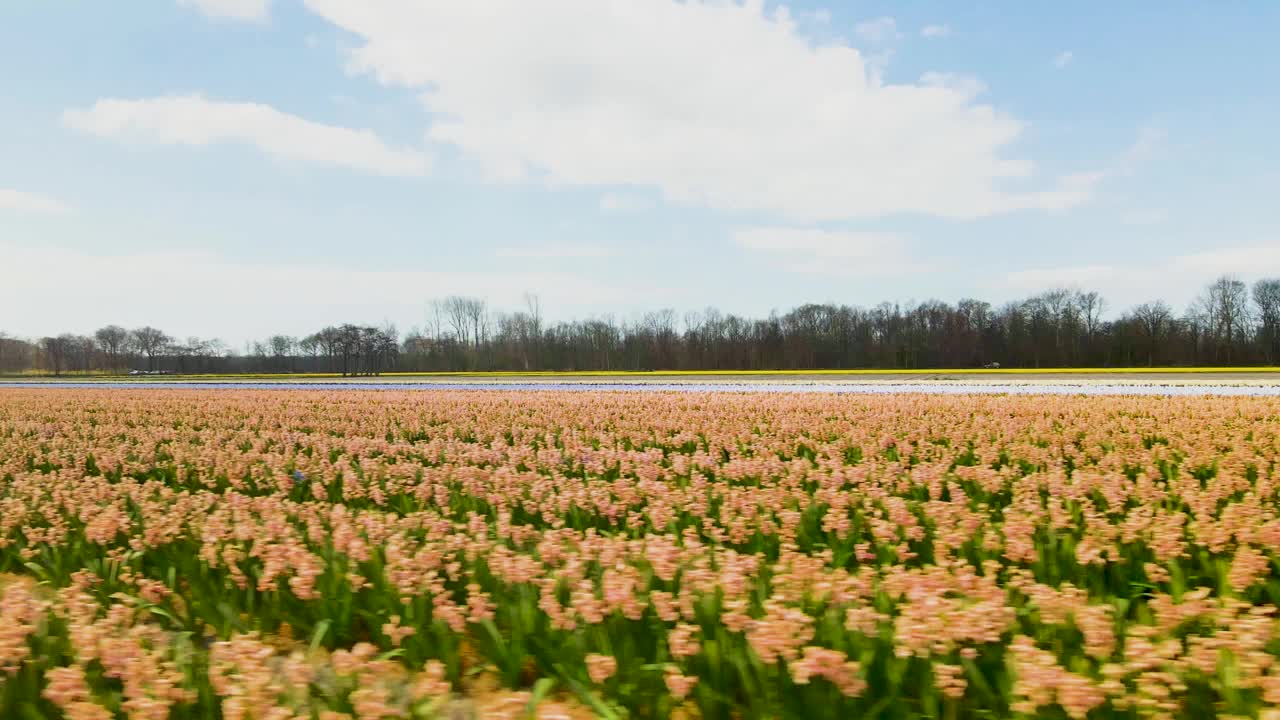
point(282, 349)
point(114, 341)
point(469, 319)
point(1154, 320)
point(660, 327)
point(329, 340)
point(16, 354)
point(533, 305)
point(383, 348)
point(183, 353)
point(532, 340)
point(202, 352)
point(56, 352)
point(520, 332)
point(1266, 296)
point(481, 325)
point(436, 315)
point(348, 342)
point(1091, 306)
point(311, 346)
point(150, 342)
point(1225, 308)
point(84, 353)
point(456, 309)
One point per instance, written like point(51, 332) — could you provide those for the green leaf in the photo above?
point(39, 571)
point(590, 698)
point(541, 690)
point(317, 636)
point(978, 680)
point(157, 610)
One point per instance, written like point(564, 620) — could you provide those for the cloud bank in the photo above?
point(715, 104)
point(197, 121)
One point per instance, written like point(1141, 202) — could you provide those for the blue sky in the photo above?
point(233, 168)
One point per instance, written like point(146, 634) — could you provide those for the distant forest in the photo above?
point(1230, 323)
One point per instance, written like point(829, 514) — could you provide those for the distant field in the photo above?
point(861, 372)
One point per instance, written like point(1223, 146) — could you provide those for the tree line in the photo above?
point(1230, 323)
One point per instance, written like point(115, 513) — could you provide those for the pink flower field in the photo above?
point(325, 555)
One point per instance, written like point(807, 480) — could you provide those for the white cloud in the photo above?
point(966, 85)
point(1176, 278)
point(204, 294)
point(195, 120)
point(1063, 59)
point(242, 10)
point(935, 31)
point(826, 252)
point(880, 30)
point(717, 104)
point(29, 202)
point(624, 202)
point(555, 250)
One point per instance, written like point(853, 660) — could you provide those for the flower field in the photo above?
point(307, 554)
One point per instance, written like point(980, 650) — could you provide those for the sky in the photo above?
point(238, 168)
